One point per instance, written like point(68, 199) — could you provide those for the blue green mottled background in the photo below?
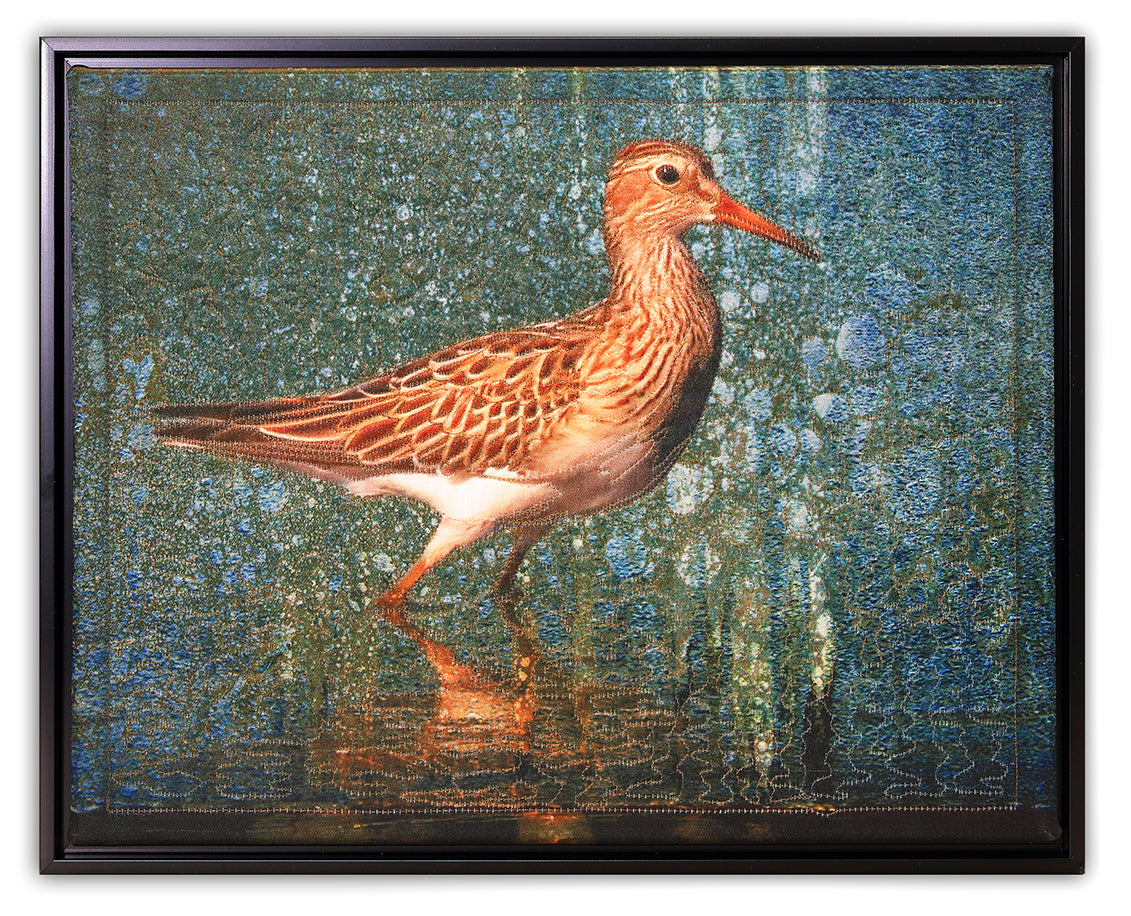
point(854, 554)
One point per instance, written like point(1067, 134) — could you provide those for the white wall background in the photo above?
point(1103, 22)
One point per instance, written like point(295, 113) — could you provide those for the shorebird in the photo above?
point(521, 428)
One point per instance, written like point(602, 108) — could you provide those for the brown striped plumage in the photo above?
point(561, 418)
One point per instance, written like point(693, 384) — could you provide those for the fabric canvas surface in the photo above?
point(842, 595)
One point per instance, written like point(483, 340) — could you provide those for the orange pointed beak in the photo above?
point(733, 213)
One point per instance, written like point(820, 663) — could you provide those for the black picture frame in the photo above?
point(1062, 852)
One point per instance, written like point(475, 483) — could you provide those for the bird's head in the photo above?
point(661, 187)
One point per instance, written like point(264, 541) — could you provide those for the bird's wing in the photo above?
point(475, 406)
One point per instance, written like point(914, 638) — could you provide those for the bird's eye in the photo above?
point(667, 174)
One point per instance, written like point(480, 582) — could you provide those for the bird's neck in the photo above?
point(657, 274)
point(661, 339)
point(659, 299)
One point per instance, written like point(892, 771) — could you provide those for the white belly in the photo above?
point(611, 476)
point(463, 497)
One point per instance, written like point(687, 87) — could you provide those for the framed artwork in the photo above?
point(562, 455)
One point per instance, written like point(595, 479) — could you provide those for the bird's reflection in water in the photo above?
point(475, 714)
point(531, 733)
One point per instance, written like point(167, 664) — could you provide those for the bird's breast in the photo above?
point(644, 384)
point(656, 365)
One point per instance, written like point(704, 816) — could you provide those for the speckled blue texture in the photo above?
point(859, 535)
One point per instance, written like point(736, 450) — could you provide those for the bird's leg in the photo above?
point(394, 597)
point(527, 536)
point(450, 534)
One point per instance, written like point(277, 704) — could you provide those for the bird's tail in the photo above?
point(236, 428)
point(242, 412)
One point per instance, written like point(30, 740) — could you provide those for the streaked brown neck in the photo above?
point(651, 268)
point(658, 293)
